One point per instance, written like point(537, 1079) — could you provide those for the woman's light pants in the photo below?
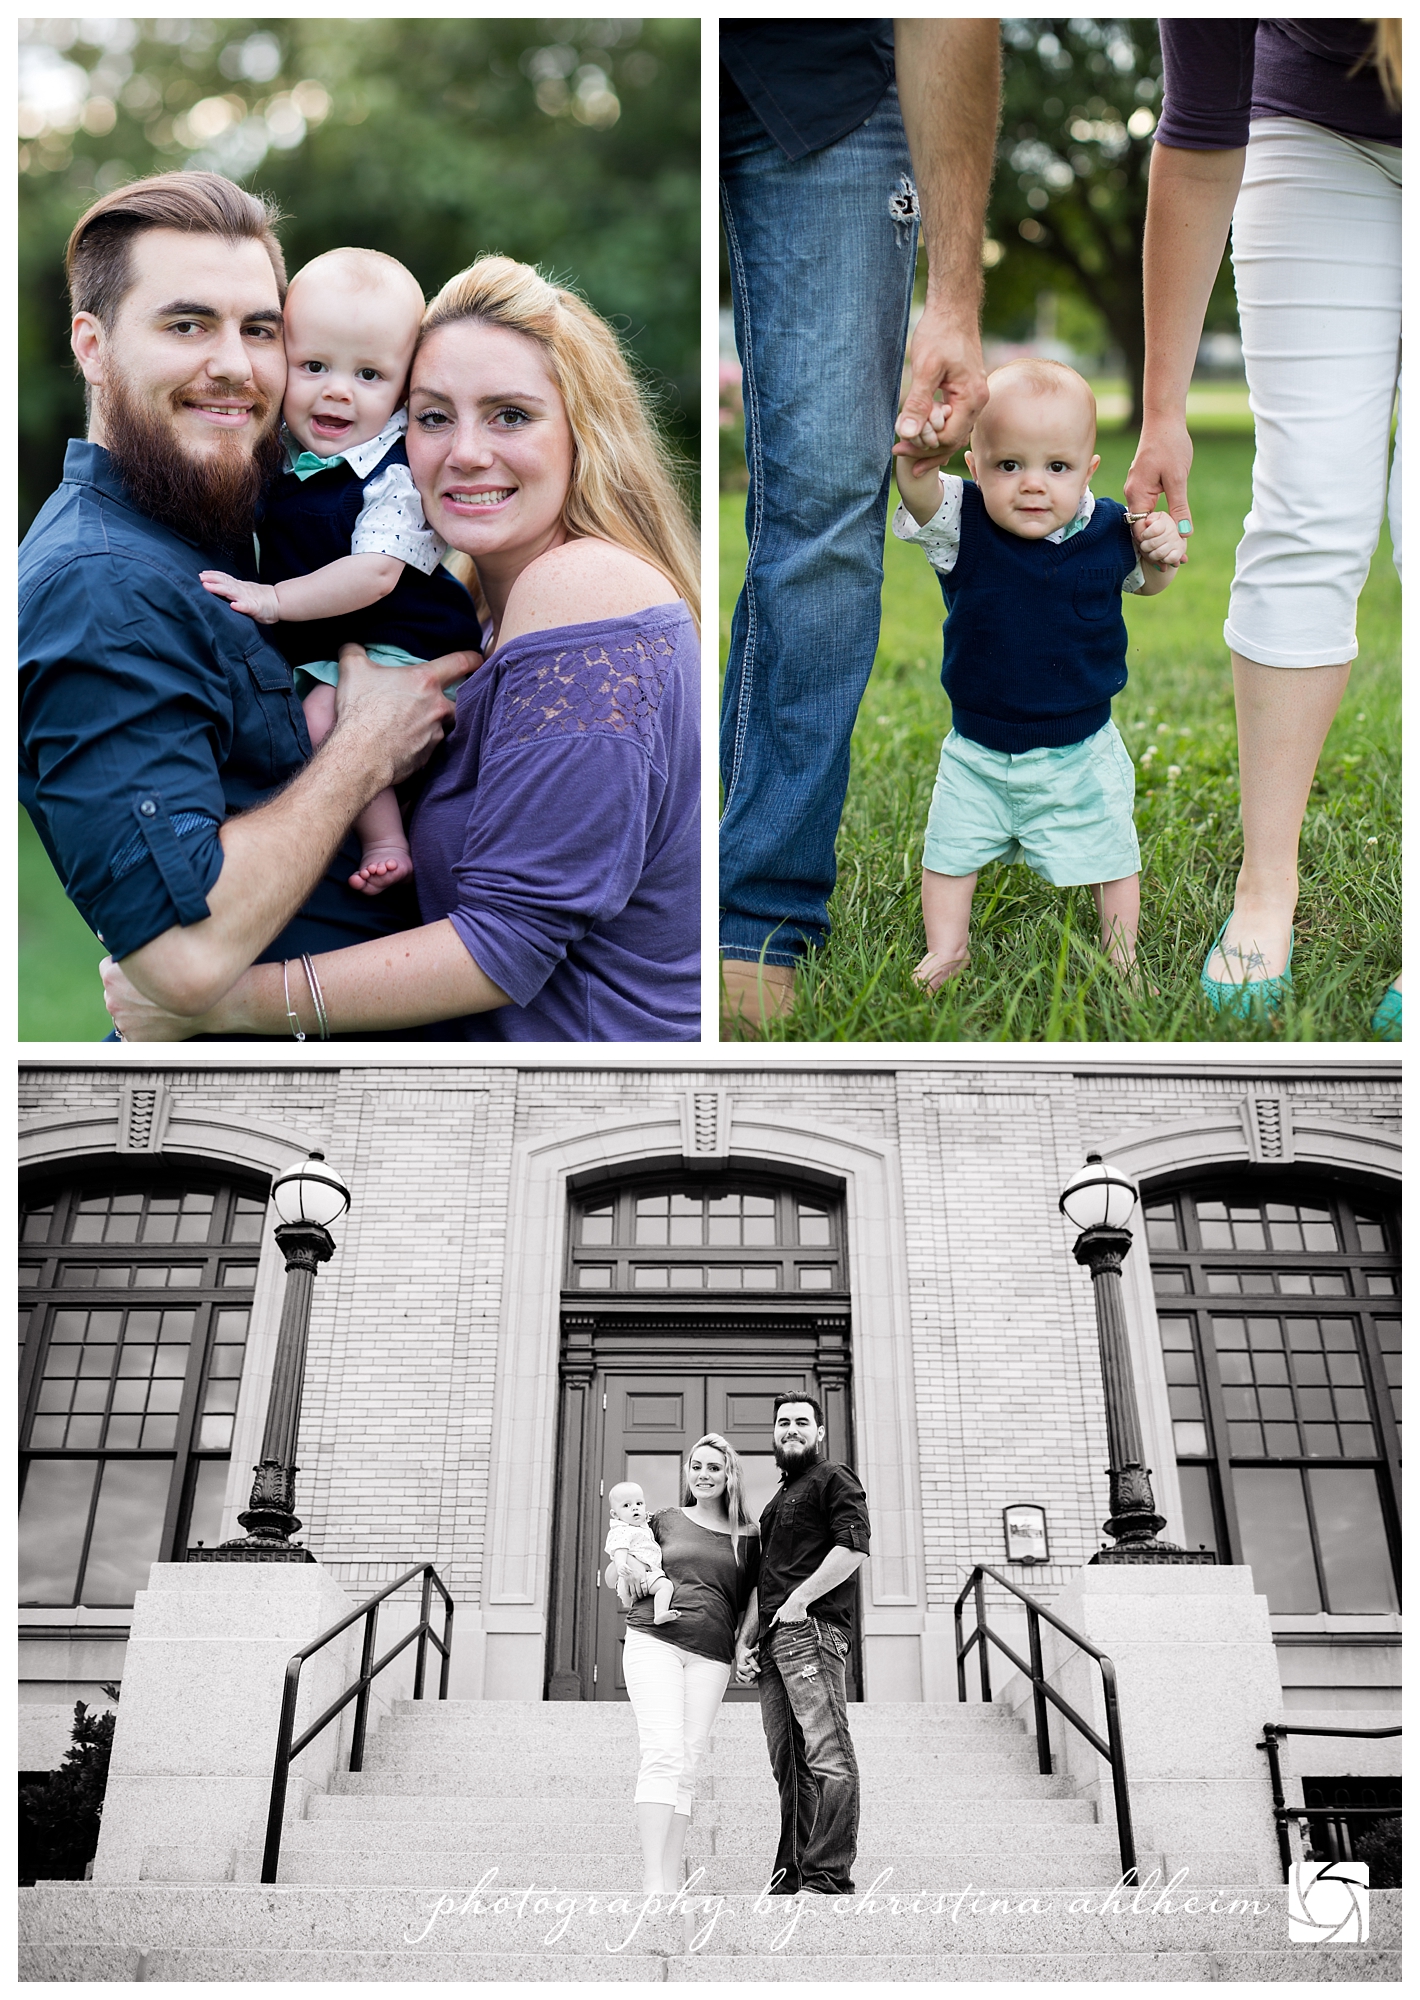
point(1316, 254)
point(674, 1695)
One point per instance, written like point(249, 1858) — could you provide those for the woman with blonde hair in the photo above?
point(556, 840)
point(1290, 132)
point(676, 1674)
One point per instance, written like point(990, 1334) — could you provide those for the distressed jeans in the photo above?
point(804, 1706)
point(822, 253)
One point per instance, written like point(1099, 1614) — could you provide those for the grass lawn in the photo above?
point(1036, 972)
point(61, 999)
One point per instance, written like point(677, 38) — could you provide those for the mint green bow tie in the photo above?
point(310, 462)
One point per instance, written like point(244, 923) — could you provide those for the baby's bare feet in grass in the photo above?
point(939, 966)
point(380, 868)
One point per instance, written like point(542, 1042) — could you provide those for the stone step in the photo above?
point(356, 1809)
point(584, 1719)
point(592, 1768)
point(741, 1931)
point(580, 1716)
point(988, 1782)
point(618, 1830)
point(124, 1964)
point(452, 1872)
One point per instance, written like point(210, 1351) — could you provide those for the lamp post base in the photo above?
point(249, 1550)
point(1151, 1552)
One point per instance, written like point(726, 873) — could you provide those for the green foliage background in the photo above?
point(572, 144)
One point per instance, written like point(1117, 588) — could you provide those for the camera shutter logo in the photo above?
point(1328, 1902)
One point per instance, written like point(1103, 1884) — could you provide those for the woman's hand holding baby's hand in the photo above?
point(1157, 538)
point(256, 600)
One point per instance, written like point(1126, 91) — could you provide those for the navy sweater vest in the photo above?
point(1034, 646)
point(307, 523)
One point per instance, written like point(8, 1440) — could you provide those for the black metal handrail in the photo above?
point(1282, 1813)
point(358, 1691)
point(1112, 1751)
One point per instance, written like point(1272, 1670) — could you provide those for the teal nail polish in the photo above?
point(1185, 527)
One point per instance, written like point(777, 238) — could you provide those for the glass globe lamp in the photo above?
point(310, 1191)
point(1098, 1197)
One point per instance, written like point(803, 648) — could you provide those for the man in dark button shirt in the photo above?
point(164, 756)
point(831, 134)
point(813, 1540)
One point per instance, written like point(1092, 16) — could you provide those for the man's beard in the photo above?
point(791, 1464)
point(209, 499)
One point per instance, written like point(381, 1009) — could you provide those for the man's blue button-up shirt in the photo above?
point(149, 712)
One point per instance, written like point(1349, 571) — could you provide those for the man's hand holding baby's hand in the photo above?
point(256, 600)
point(1156, 537)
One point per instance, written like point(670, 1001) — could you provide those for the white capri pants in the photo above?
point(1316, 253)
point(674, 1695)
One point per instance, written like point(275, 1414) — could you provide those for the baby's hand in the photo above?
point(1156, 537)
point(921, 493)
point(257, 600)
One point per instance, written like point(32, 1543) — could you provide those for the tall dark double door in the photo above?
point(636, 1396)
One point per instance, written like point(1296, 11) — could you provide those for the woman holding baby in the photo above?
point(677, 1669)
point(1290, 132)
point(555, 843)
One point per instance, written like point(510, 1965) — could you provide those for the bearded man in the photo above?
point(163, 753)
point(813, 1537)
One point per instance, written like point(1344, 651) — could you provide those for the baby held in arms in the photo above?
point(346, 553)
point(1032, 567)
point(629, 1539)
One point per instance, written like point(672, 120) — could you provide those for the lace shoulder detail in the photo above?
point(610, 687)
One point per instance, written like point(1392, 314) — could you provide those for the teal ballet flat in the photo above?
point(1247, 998)
point(1385, 1022)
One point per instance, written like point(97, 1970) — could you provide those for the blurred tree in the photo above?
point(572, 144)
point(1080, 103)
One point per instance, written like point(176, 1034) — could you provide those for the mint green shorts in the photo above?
point(1068, 813)
point(329, 671)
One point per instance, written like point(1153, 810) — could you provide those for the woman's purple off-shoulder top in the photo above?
point(560, 833)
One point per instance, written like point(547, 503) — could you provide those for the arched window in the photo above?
point(135, 1297)
point(715, 1233)
point(1279, 1313)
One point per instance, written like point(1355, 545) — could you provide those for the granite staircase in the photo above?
point(496, 1841)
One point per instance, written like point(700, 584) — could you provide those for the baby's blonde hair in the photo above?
point(361, 271)
point(1040, 377)
point(623, 488)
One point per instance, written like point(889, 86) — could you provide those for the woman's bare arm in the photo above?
point(397, 982)
point(1191, 200)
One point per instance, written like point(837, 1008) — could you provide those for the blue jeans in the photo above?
point(803, 1704)
point(822, 254)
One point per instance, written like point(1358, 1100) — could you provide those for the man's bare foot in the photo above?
point(753, 994)
point(940, 966)
point(663, 1617)
point(380, 868)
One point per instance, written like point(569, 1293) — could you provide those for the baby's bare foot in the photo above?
point(663, 1617)
point(940, 966)
point(380, 868)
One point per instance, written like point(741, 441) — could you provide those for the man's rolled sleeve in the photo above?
point(556, 842)
point(846, 1505)
point(123, 747)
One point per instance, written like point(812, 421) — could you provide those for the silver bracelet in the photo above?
point(308, 966)
point(291, 1015)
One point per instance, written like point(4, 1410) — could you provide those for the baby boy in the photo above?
point(346, 553)
point(1032, 567)
point(627, 1536)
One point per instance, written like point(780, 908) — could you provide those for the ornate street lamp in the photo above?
point(1099, 1202)
point(307, 1198)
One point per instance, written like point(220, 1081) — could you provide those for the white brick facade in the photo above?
point(430, 1412)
